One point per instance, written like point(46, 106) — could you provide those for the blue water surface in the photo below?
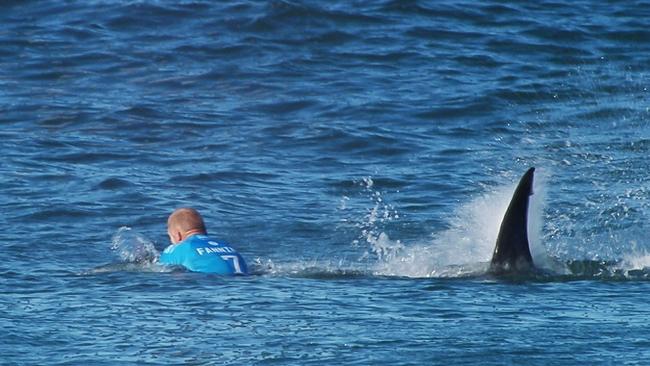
point(360, 155)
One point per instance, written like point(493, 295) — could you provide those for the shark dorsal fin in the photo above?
point(512, 251)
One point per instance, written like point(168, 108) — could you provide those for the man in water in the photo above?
point(194, 250)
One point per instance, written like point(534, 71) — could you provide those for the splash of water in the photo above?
point(466, 247)
point(370, 227)
point(463, 250)
point(638, 261)
point(135, 253)
point(133, 247)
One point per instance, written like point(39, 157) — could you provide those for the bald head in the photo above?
point(184, 222)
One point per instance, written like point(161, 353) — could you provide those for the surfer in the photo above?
point(192, 248)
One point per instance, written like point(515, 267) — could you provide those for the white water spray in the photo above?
point(466, 247)
point(132, 247)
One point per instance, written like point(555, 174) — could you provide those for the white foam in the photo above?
point(633, 262)
point(133, 247)
point(638, 259)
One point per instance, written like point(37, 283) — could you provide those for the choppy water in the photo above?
point(358, 154)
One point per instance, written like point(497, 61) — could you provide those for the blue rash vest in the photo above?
point(200, 253)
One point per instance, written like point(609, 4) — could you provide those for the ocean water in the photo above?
point(360, 155)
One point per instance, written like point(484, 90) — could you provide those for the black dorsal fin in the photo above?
point(512, 251)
